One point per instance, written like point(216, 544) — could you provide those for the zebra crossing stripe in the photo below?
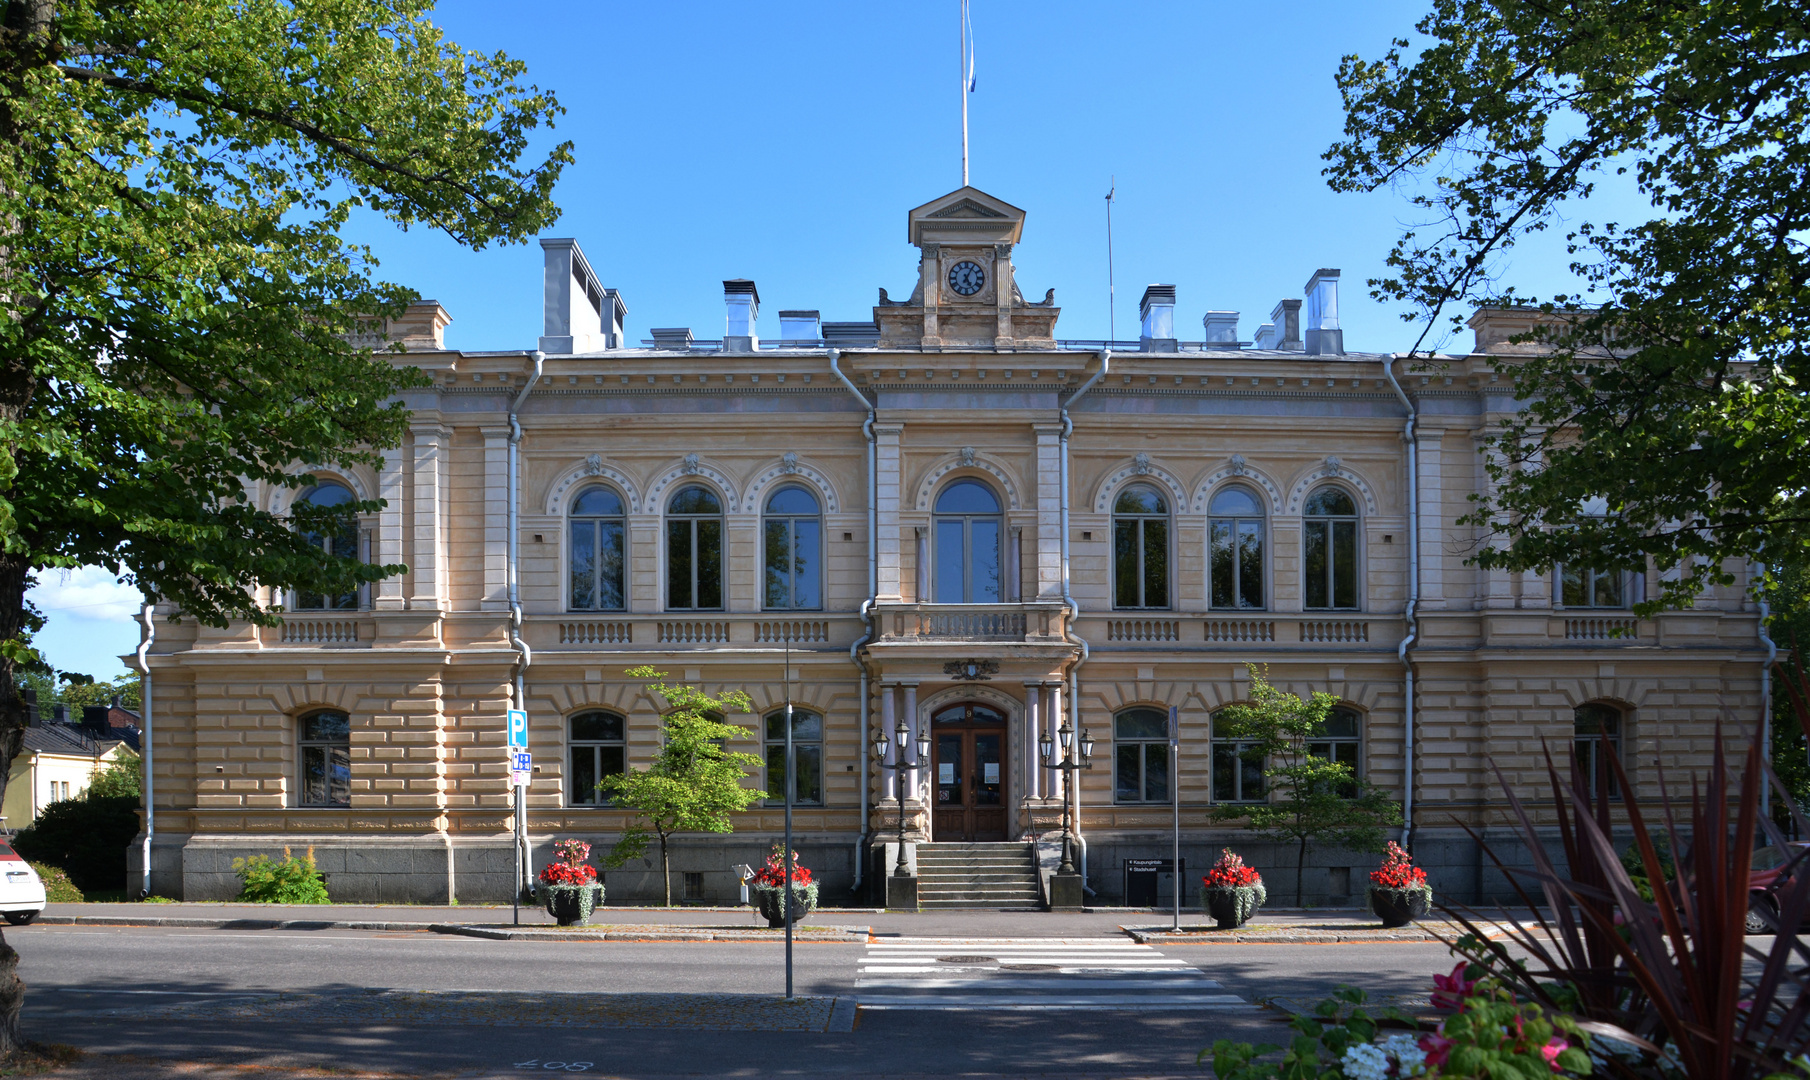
point(1030, 974)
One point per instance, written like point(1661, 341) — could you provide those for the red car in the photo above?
point(1770, 874)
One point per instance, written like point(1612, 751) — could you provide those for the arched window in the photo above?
point(694, 549)
point(324, 745)
point(341, 542)
point(1235, 531)
point(1341, 739)
point(794, 558)
point(598, 527)
point(1329, 549)
point(596, 747)
point(967, 544)
point(1140, 548)
point(807, 749)
point(1597, 734)
point(1588, 587)
point(1140, 751)
point(1237, 768)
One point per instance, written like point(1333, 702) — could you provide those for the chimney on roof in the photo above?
point(578, 314)
point(675, 338)
point(1221, 328)
point(1287, 322)
point(742, 302)
point(1324, 338)
point(1157, 310)
point(800, 326)
point(59, 714)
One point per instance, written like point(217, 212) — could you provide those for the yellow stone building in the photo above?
point(945, 518)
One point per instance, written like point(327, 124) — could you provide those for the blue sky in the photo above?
point(785, 143)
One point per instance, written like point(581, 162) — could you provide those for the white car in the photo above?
point(21, 890)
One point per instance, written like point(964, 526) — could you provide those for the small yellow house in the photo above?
point(58, 761)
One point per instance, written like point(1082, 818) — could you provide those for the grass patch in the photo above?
point(36, 1059)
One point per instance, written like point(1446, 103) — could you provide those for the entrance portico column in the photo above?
point(888, 720)
point(1053, 784)
point(1033, 697)
point(911, 717)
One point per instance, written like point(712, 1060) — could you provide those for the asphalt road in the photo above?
point(75, 974)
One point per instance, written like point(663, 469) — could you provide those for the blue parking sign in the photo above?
point(518, 729)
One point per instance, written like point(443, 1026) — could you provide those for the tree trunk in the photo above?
point(1300, 868)
point(665, 870)
point(14, 569)
point(12, 999)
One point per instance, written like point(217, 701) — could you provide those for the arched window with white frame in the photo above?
point(1235, 539)
point(1140, 548)
point(694, 550)
point(596, 536)
point(340, 540)
point(967, 561)
point(1329, 549)
point(793, 567)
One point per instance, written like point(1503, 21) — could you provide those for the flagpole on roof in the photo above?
point(965, 68)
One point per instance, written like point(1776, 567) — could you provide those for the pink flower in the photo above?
point(1437, 1048)
point(1551, 1051)
point(1449, 991)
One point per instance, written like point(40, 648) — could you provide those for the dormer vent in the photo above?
point(741, 301)
point(674, 338)
point(1287, 321)
point(1323, 336)
point(578, 314)
point(1157, 310)
point(803, 327)
point(1221, 329)
point(1266, 337)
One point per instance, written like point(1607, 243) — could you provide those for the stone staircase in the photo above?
point(963, 875)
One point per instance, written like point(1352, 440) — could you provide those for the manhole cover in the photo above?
point(1029, 967)
point(965, 960)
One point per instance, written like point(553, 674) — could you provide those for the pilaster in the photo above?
point(887, 481)
point(496, 519)
point(428, 547)
point(390, 483)
point(1049, 511)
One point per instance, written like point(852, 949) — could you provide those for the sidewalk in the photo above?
point(721, 923)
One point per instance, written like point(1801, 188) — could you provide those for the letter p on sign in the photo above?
point(518, 729)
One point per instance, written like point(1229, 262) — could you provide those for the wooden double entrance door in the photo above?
point(969, 759)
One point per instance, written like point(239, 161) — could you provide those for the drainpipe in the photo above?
point(1401, 652)
point(1074, 611)
point(145, 615)
point(524, 654)
point(867, 604)
point(1772, 654)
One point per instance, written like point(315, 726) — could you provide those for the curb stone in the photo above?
point(511, 933)
point(181, 923)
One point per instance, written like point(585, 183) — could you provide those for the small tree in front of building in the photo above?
point(1311, 799)
point(694, 784)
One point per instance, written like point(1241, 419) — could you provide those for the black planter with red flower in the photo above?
point(1232, 891)
point(569, 888)
point(770, 894)
point(1399, 893)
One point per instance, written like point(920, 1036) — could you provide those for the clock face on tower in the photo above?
point(966, 278)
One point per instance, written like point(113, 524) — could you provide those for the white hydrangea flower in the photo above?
point(1405, 1049)
point(1365, 1062)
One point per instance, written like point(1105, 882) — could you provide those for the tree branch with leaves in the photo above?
point(693, 784)
point(1309, 798)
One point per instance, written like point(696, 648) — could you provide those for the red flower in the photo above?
point(571, 869)
point(1551, 1051)
point(1449, 991)
point(1437, 1048)
point(1398, 871)
point(774, 873)
point(1230, 872)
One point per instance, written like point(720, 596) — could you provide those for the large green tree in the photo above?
point(1675, 390)
point(1308, 798)
point(693, 783)
point(178, 310)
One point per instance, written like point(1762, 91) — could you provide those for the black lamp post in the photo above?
point(898, 767)
point(1069, 764)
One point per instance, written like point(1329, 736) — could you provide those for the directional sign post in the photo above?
point(1175, 796)
point(521, 766)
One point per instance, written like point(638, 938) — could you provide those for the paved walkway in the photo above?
point(1305, 924)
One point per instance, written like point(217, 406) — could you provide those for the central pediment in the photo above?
point(966, 215)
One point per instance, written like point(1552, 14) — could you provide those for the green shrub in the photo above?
point(85, 836)
point(263, 880)
point(58, 889)
point(122, 777)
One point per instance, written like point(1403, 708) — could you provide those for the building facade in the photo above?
point(946, 518)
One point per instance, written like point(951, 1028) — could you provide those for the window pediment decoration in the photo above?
point(931, 484)
point(1237, 468)
point(592, 468)
point(1331, 469)
point(1141, 467)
